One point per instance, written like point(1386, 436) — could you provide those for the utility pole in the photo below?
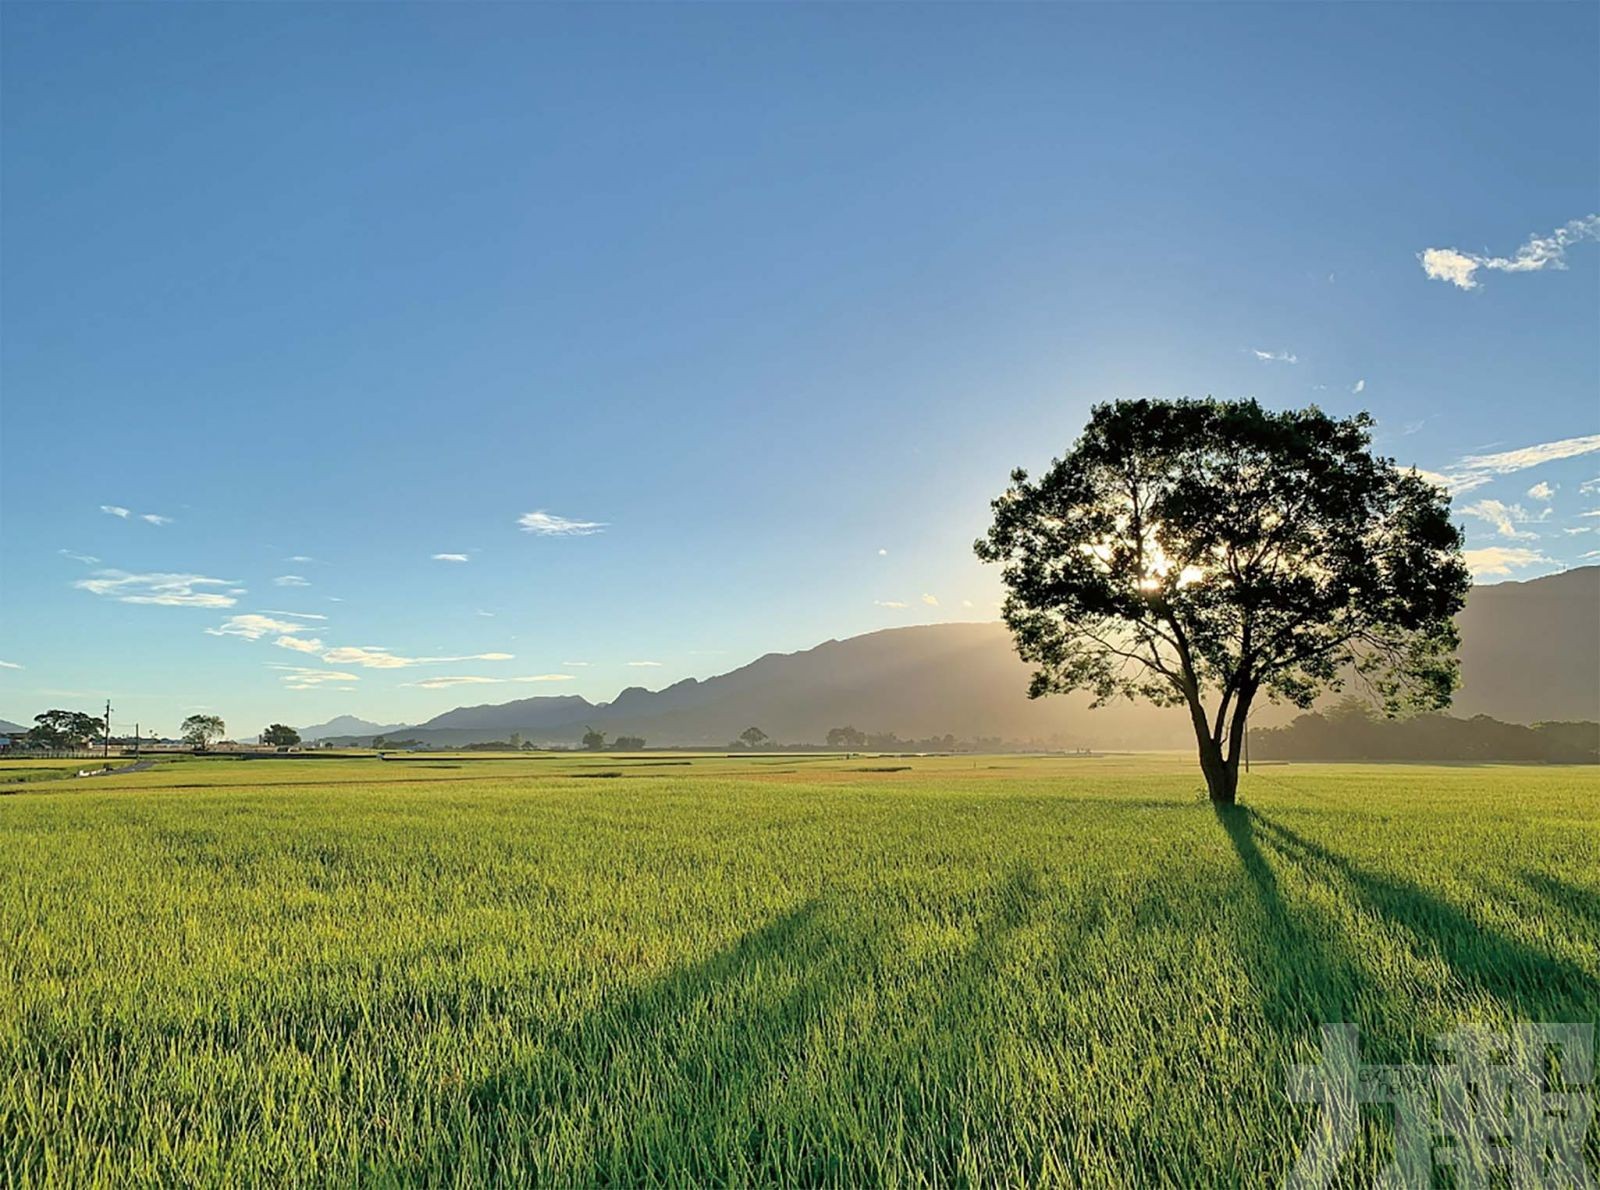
point(136, 739)
point(105, 745)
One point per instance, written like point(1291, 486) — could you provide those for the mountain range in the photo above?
point(1530, 652)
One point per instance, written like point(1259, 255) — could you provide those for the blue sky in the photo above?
point(758, 305)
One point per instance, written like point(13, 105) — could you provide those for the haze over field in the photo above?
point(372, 360)
point(1527, 652)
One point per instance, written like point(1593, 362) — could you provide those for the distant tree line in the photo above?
point(593, 741)
point(854, 740)
point(58, 729)
point(1354, 731)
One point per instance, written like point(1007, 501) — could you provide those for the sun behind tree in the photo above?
point(1202, 553)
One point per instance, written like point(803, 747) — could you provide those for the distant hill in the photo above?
point(347, 725)
point(1530, 652)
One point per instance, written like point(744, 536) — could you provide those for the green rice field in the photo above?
point(788, 969)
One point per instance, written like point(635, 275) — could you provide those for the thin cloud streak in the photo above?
point(1473, 471)
point(1540, 252)
point(253, 626)
point(444, 682)
point(548, 524)
point(159, 588)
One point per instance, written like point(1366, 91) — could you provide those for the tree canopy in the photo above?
point(200, 730)
point(1201, 553)
point(280, 735)
point(64, 729)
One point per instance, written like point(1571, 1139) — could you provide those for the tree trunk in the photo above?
point(1222, 778)
point(1222, 775)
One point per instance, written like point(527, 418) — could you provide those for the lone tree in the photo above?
point(1202, 553)
point(594, 740)
point(200, 730)
point(280, 735)
point(753, 737)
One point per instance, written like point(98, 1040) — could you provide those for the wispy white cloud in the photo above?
point(10, 665)
point(645, 664)
point(1590, 486)
point(883, 553)
point(451, 558)
point(298, 615)
point(117, 510)
point(930, 600)
point(86, 559)
point(1360, 386)
point(894, 603)
point(576, 664)
point(291, 580)
point(253, 626)
point(299, 645)
point(1542, 492)
point(299, 678)
point(371, 657)
point(1474, 471)
point(299, 558)
point(167, 590)
point(1498, 561)
point(547, 524)
point(1275, 357)
point(1504, 517)
point(446, 681)
point(1540, 252)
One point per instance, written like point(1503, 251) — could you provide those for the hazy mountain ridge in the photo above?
point(1530, 652)
point(346, 725)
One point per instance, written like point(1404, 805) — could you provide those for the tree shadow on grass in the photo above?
point(757, 1065)
point(1581, 904)
point(669, 1082)
point(939, 1079)
point(1532, 984)
point(1303, 977)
